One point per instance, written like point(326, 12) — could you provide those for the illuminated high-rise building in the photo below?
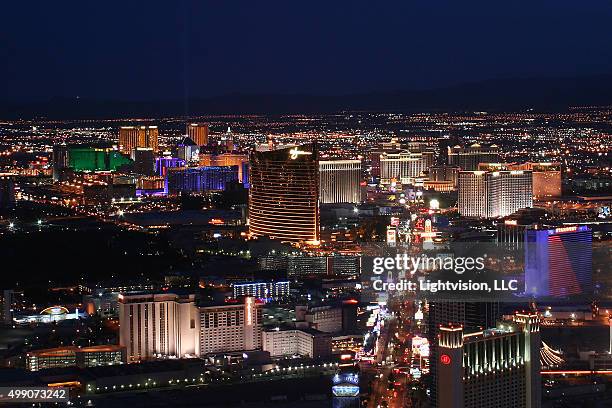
point(339, 181)
point(470, 315)
point(546, 178)
point(131, 137)
point(393, 146)
point(558, 261)
point(491, 368)
point(153, 325)
point(468, 158)
point(198, 132)
point(226, 328)
point(284, 194)
point(404, 166)
point(486, 194)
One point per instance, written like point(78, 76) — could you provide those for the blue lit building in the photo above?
point(558, 262)
point(262, 290)
point(200, 179)
point(162, 164)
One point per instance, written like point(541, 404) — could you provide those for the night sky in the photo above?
point(170, 49)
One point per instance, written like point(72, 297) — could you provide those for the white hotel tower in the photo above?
point(493, 368)
point(339, 181)
point(158, 324)
point(492, 194)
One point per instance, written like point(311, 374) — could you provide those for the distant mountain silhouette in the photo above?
point(491, 95)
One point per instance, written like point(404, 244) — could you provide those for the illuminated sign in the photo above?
point(295, 152)
point(445, 359)
point(345, 391)
point(566, 229)
point(391, 235)
point(249, 311)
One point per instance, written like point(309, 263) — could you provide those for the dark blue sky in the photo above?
point(172, 49)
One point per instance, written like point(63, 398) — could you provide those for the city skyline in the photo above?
point(313, 205)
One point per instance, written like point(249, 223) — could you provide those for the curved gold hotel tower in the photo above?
point(284, 194)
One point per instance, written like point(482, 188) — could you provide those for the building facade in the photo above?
point(131, 137)
point(559, 261)
point(198, 132)
point(302, 342)
point(486, 194)
point(227, 159)
point(492, 368)
point(468, 158)
point(328, 319)
point(262, 290)
point(284, 194)
point(144, 161)
point(226, 328)
point(339, 181)
point(153, 325)
point(546, 179)
point(72, 356)
point(404, 166)
point(200, 179)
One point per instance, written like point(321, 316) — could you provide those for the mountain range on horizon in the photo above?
point(539, 94)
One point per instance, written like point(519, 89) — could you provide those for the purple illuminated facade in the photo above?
point(558, 262)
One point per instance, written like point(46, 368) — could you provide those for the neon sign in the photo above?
point(295, 152)
point(445, 359)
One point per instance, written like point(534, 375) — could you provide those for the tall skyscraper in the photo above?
point(131, 137)
point(546, 178)
point(226, 328)
point(471, 316)
point(154, 325)
point(393, 146)
point(468, 158)
point(558, 262)
point(491, 368)
point(7, 191)
point(495, 194)
point(284, 194)
point(404, 166)
point(60, 161)
point(339, 181)
point(198, 132)
point(144, 161)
